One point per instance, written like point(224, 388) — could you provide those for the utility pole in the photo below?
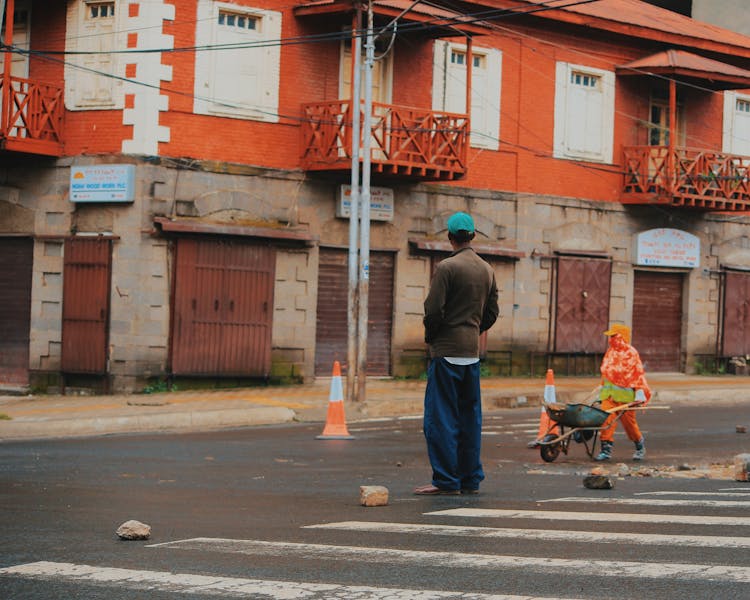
point(364, 244)
point(351, 360)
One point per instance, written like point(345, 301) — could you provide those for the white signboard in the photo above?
point(667, 248)
point(102, 183)
point(381, 203)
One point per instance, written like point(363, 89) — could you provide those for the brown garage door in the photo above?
point(223, 308)
point(16, 260)
point(582, 304)
point(331, 332)
point(86, 287)
point(736, 337)
point(657, 319)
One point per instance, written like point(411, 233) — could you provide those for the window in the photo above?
point(658, 133)
point(101, 10)
point(459, 58)
point(449, 89)
point(584, 113)
point(21, 38)
point(91, 75)
point(242, 79)
point(584, 80)
point(743, 105)
point(239, 21)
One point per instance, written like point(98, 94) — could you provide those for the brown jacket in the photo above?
point(461, 304)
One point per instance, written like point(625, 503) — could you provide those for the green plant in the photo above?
point(158, 387)
point(4, 417)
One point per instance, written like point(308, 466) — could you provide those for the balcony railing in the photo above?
point(405, 142)
point(32, 117)
point(688, 177)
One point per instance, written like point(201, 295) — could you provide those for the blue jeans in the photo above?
point(453, 424)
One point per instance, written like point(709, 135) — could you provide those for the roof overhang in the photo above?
point(425, 18)
point(199, 226)
point(689, 68)
point(486, 250)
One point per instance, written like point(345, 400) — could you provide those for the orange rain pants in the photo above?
point(628, 422)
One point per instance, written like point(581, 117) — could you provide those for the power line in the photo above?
point(481, 16)
point(427, 25)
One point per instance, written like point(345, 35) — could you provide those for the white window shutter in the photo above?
point(449, 91)
point(439, 81)
point(242, 82)
point(584, 116)
point(736, 135)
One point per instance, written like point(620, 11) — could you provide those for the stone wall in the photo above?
point(35, 201)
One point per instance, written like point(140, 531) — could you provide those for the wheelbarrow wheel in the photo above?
point(549, 452)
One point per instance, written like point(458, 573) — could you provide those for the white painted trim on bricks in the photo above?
point(149, 101)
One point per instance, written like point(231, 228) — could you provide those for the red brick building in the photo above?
point(173, 181)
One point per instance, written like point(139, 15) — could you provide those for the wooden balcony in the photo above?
point(405, 142)
point(688, 177)
point(32, 117)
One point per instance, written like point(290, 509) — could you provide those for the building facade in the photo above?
point(174, 177)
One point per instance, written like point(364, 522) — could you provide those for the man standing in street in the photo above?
point(461, 304)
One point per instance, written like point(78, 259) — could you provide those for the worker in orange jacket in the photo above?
point(623, 382)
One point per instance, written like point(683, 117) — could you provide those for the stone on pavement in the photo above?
point(134, 530)
point(598, 482)
point(373, 495)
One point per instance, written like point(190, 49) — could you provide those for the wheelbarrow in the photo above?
point(580, 423)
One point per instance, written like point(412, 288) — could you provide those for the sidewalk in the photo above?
point(33, 417)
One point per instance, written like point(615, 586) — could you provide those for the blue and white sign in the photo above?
point(381, 203)
point(102, 183)
point(668, 248)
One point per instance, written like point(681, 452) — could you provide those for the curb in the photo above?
point(18, 429)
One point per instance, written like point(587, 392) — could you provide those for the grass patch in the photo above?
point(4, 417)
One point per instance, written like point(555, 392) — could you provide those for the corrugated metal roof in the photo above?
point(640, 18)
point(406, 10)
point(686, 64)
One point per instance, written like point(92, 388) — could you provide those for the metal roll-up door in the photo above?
point(16, 262)
point(657, 319)
point(736, 323)
point(331, 334)
point(223, 308)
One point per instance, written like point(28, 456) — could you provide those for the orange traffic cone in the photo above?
point(546, 425)
point(335, 428)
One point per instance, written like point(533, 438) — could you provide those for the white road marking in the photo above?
point(676, 493)
point(229, 586)
point(416, 558)
point(554, 515)
point(652, 502)
point(606, 537)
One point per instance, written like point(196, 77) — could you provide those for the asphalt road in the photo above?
point(271, 512)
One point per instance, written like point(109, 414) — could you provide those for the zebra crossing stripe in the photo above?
point(417, 558)
point(556, 515)
point(545, 535)
point(150, 581)
point(722, 494)
point(656, 502)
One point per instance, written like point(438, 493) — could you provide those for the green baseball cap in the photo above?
point(460, 221)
